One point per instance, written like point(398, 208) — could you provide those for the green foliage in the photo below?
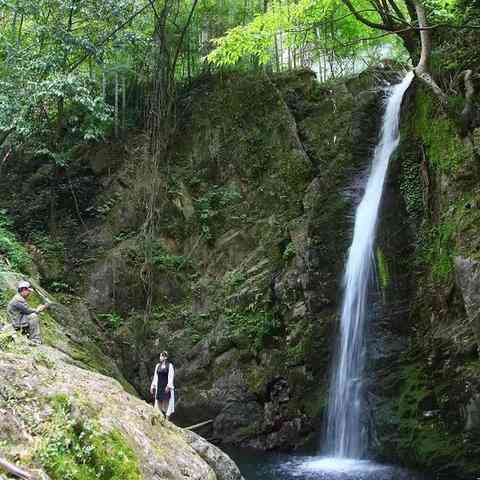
point(167, 261)
point(12, 341)
point(41, 358)
point(425, 441)
point(78, 450)
point(439, 249)
point(48, 245)
point(112, 320)
point(257, 327)
point(12, 253)
point(30, 111)
point(60, 287)
point(296, 353)
point(234, 280)
point(296, 171)
point(162, 259)
point(414, 391)
point(411, 186)
point(49, 255)
point(211, 207)
point(297, 25)
point(198, 325)
point(289, 252)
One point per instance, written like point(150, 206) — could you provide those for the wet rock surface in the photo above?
point(468, 278)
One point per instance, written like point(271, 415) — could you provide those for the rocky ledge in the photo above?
point(61, 421)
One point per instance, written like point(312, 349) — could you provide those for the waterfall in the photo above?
point(346, 402)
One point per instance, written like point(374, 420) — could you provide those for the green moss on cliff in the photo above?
point(425, 438)
point(438, 248)
point(77, 449)
point(445, 150)
point(382, 268)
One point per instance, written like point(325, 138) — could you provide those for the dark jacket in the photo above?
point(18, 310)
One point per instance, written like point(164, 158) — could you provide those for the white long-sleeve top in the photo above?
point(171, 374)
point(170, 385)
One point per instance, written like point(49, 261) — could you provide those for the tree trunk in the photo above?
point(425, 39)
point(422, 70)
point(60, 119)
point(412, 44)
point(468, 110)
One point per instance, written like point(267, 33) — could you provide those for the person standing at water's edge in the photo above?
point(162, 386)
point(22, 316)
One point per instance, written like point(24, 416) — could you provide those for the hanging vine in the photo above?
point(170, 32)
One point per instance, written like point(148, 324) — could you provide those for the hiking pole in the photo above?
point(44, 296)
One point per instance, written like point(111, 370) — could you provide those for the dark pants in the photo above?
point(29, 324)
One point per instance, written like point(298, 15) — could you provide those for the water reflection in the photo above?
point(257, 466)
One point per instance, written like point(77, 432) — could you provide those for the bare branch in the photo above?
point(361, 18)
point(400, 15)
point(184, 31)
point(422, 70)
point(14, 470)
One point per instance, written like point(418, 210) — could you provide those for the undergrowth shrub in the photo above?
point(12, 253)
point(255, 326)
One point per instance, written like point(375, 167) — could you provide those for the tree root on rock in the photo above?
point(467, 115)
point(15, 471)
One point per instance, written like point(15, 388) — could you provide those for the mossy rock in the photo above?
point(84, 425)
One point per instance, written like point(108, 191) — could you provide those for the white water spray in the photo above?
point(346, 403)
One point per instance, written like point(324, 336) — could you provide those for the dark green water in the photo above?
point(264, 466)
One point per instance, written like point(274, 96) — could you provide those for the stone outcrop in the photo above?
point(53, 412)
point(35, 378)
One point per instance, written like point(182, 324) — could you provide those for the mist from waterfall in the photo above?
point(345, 437)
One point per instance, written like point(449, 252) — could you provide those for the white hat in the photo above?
point(24, 284)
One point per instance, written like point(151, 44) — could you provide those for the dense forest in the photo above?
point(189, 175)
point(82, 71)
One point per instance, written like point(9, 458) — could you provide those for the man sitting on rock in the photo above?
point(22, 316)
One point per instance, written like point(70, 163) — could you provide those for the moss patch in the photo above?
point(445, 150)
point(382, 268)
point(425, 438)
point(78, 450)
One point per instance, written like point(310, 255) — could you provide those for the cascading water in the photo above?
point(346, 443)
point(346, 402)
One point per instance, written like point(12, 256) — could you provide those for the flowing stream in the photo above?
point(345, 436)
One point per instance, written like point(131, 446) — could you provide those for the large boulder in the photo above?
point(52, 410)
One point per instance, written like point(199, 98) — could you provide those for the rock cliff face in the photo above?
point(256, 220)
point(428, 393)
point(256, 209)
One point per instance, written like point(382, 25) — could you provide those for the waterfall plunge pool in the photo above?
point(256, 465)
